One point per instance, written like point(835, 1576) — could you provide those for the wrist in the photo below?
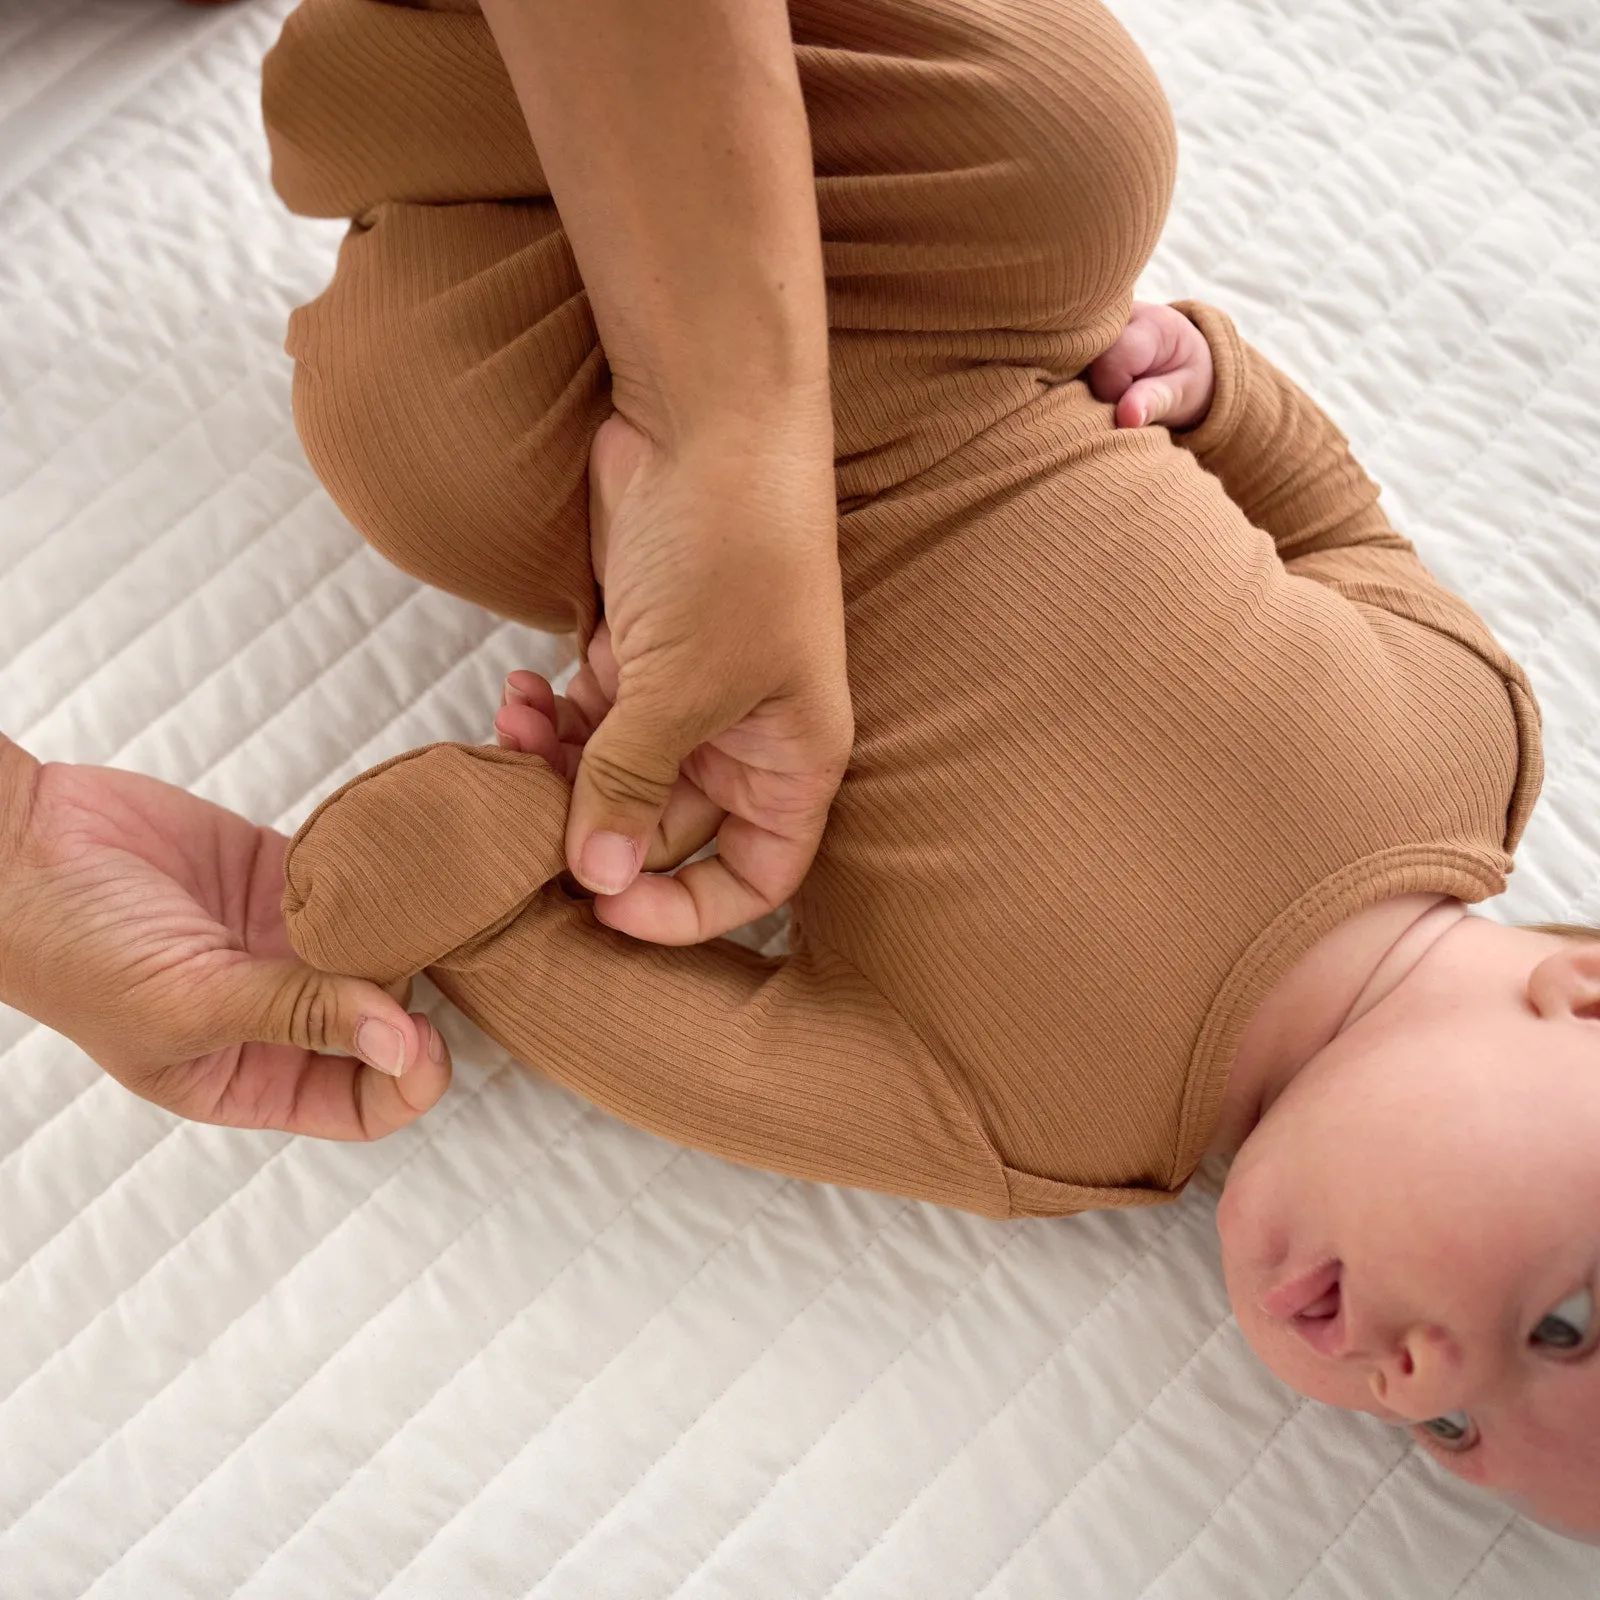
point(770, 390)
point(772, 435)
point(1214, 430)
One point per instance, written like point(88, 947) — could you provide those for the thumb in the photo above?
point(1148, 401)
point(627, 772)
point(287, 1002)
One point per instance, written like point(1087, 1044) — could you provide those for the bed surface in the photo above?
point(519, 1348)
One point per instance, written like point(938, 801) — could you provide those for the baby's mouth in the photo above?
point(1313, 1305)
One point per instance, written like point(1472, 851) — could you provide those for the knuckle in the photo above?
point(311, 1010)
point(619, 783)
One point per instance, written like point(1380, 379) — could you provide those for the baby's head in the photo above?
point(1413, 1227)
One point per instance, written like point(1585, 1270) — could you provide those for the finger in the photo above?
point(1172, 399)
point(1137, 349)
point(520, 727)
point(572, 726)
point(288, 1003)
point(754, 871)
point(1148, 401)
point(601, 663)
point(523, 688)
point(625, 777)
point(587, 696)
point(334, 1097)
point(689, 823)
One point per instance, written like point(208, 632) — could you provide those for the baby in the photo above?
point(1258, 760)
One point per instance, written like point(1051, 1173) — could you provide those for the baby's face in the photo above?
point(1413, 1229)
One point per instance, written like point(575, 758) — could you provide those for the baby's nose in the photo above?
point(1421, 1374)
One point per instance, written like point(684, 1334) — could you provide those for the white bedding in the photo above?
point(522, 1349)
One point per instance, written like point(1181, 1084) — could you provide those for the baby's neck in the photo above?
point(1340, 978)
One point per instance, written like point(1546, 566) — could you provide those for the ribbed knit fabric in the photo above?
point(1140, 718)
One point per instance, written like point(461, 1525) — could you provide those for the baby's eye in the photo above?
point(1455, 1430)
point(1567, 1326)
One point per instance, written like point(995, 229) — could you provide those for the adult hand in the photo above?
point(723, 655)
point(146, 925)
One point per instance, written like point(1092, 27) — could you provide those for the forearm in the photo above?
point(18, 775)
point(675, 143)
point(1278, 454)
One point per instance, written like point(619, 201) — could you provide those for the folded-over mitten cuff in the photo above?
point(1230, 363)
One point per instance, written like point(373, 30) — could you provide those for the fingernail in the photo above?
point(381, 1046)
point(608, 862)
point(514, 696)
point(435, 1046)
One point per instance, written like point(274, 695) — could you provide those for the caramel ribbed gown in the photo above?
point(1139, 718)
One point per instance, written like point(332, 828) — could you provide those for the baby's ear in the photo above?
point(1586, 958)
point(1567, 981)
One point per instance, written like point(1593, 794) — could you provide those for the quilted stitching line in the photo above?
point(1258, 132)
point(318, 789)
point(164, 355)
point(1378, 49)
point(130, 27)
point(1169, 40)
point(60, 1111)
point(39, 26)
point(1349, 1523)
point(1578, 603)
point(874, 1241)
point(363, 641)
point(851, 1260)
point(217, 34)
point(336, 571)
point(228, 481)
point(1485, 577)
point(1466, 487)
point(1100, 1462)
point(783, 1188)
point(1297, 1410)
point(1325, 265)
point(1068, 1335)
point(1486, 333)
point(86, 1206)
point(1494, 1544)
point(424, 1142)
point(31, 1028)
point(1465, 251)
point(165, 615)
point(586, 1116)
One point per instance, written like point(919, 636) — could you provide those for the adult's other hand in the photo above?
point(723, 656)
point(146, 925)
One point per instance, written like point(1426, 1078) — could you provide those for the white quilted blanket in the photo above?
point(521, 1349)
